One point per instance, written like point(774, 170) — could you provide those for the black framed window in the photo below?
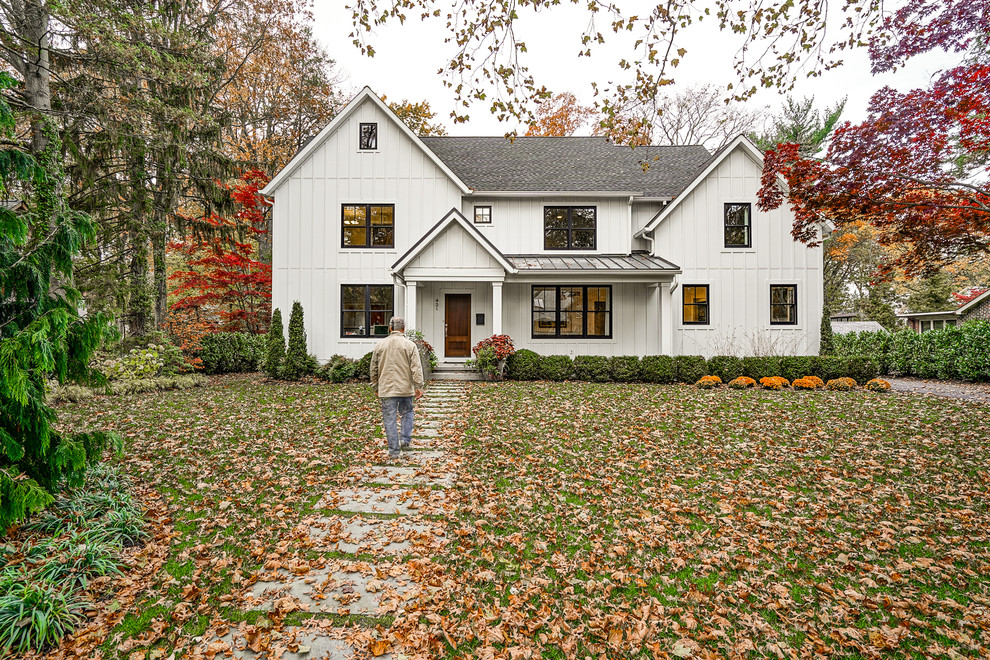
point(368, 225)
point(738, 225)
point(695, 307)
point(365, 309)
point(569, 227)
point(368, 137)
point(482, 215)
point(783, 304)
point(572, 311)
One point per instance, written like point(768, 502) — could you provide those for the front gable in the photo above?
point(452, 245)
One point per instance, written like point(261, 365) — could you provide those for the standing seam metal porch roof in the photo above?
point(568, 164)
point(636, 262)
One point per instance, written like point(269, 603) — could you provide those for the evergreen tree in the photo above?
point(275, 354)
point(801, 123)
point(42, 335)
point(827, 345)
point(296, 358)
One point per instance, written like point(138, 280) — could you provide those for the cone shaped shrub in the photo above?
point(275, 353)
point(297, 363)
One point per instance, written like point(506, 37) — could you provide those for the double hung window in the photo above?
point(783, 304)
point(695, 306)
point(365, 309)
point(368, 225)
point(738, 225)
point(572, 311)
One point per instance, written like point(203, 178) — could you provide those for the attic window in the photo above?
point(368, 137)
point(738, 225)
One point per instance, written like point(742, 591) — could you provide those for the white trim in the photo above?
point(751, 150)
point(331, 128)
point(453, 217)
point(558, 193)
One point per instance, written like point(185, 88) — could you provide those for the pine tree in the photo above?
point(42, 335)
point(296, 358)
point(276, 346)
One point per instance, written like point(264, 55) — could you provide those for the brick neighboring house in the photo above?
point(977, 308)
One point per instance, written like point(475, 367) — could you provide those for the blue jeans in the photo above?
point(394, 409)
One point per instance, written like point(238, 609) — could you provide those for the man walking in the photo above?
point(397, 373)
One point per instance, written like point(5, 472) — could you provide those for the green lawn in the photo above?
point(598, 520)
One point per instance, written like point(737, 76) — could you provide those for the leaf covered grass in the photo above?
point(594, 520)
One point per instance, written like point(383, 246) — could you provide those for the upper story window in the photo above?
point(738, 225)
point(368, 137)
point(482, 215)
point(695, 309)
point(368, 225)
point(569, 227)
point(783, 304)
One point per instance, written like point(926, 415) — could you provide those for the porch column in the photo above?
point(666, 319)
point(653, 318)
point(496, 308)
point(411, 305)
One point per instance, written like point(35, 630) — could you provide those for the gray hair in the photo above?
point(397, 323)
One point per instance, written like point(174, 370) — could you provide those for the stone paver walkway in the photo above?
point(389, 510)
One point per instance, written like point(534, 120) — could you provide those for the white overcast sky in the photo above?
point(408, 57)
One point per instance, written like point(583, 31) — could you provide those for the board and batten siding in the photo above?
point(517, 222)
point(308, 262)
point(739, 279)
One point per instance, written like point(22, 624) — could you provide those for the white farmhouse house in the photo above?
point(569, 245)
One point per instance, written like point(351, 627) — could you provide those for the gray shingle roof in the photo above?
point(845, 327)
point(578, 164)
point(595, 262)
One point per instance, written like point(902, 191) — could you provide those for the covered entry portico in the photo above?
point(459, 289)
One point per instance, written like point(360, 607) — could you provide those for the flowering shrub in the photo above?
point(500, 344)
point(742, 382)
point(708, 382)
point(838, 385)
point(774, 383)
point(804, 384)
point(878, 385)
point(819, 383)
point(850, 382)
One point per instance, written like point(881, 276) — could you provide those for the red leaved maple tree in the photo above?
point(224, 285)
point(916, 169)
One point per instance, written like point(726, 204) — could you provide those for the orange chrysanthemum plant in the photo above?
point(819, 383)
point(708, 382)
point(742, 383)
point(839, 385)
point(804, 384)
point(774, 383)
point(878, 385)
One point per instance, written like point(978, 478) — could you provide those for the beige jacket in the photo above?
point(396, 369)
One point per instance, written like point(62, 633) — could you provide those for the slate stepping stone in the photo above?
point(427, 456)
point(389, 500)
point(358, 535)
point(425, 433)
point(249, 642)
point(429, 424)
point(352, 588)
point(394, 476)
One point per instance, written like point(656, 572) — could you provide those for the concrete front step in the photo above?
point(457, 375)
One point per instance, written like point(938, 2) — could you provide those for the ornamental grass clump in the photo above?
point(742, 383)
point(708, 382)
point(804, 384)
point(838, 385)
point(878, 385)
point(35, 614)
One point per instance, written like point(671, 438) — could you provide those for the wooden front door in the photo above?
point(457, 317)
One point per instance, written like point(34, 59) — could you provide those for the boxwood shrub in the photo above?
point(524, 364)
point(231, 352)
point(557, 367)
point(362, 368)
point(793, 367)
point(625, 368)
point(830, 367)
point(690, 368)
point(657, 369)
point(763, 366)
point(594, 368)
point(726, 367)
point(860, 368)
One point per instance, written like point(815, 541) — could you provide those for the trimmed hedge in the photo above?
point(953, 352)
point(726, 367)
point(362, 368)
point(232, 352)
point(657, 369)
point(625, 368)
point(557, 367)
point(524, 364)
point(594, 368)
point(760, 367)
point(690, 368)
